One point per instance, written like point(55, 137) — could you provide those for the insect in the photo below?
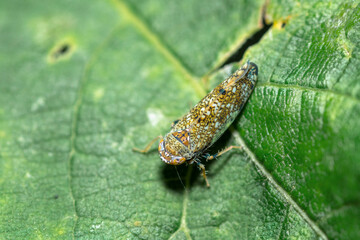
point(194, 133)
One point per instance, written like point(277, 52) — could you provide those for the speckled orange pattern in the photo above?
point(206, 122)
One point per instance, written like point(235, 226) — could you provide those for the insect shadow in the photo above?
point(175, 178)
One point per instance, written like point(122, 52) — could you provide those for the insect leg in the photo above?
point(147, 148)
point(203, 172)
point(211, 157)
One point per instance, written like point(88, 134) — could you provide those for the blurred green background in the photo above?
point(83, 82)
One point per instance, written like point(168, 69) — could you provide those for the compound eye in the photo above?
point(178, 160)
point(161, 145)
point(168, 157)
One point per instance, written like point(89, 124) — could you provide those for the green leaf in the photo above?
point(306, 109)
point(82, 84)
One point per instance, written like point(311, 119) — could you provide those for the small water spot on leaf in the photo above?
point(94, 227)
point(154, 116)
point(61, 50)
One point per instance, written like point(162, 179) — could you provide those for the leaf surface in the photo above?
point(81, 87)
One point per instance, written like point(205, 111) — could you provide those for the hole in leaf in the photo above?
point(64, 49)
point(61, 51)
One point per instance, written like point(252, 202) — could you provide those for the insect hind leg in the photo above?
point(211, 157)
point(147, 148)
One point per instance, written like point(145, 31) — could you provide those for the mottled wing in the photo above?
point(208, 120)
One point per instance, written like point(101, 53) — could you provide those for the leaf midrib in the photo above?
point(277, 186)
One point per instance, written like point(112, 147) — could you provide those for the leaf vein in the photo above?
point(183, 226)
point(75, 120)
point(133, 18)
point(277, 186)
point(306, 88)
point(283, 222)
